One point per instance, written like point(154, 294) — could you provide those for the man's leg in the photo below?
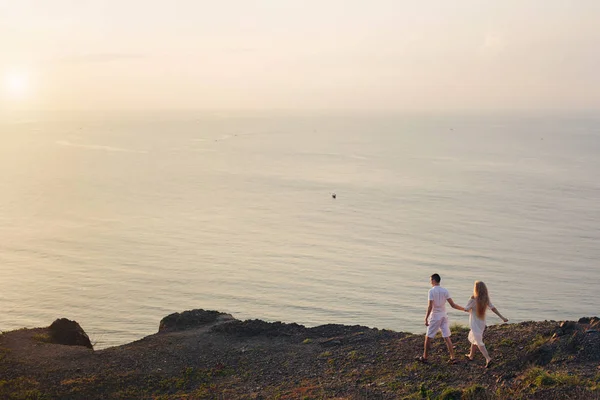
point(449, 345)
point(426, 347)
point(445, 327)
point(432, 329)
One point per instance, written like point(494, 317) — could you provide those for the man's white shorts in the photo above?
point(438, 324)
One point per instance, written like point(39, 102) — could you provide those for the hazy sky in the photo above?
point(321, 54)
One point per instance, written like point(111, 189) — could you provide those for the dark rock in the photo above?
point(331, 330)
point(70, 333)
point(575, 341)
point(559, 332)
point(589, 348)
point(191, 319)
point(542, 355)
point(508, 376)
point(257, 327)
point(331, 342)
point(589, 320)
point(569, 326)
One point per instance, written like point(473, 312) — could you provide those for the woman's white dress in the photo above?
point(477, 325)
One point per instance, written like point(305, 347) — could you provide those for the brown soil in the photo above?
point(231, 359)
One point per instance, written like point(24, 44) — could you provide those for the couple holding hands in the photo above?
point(437, 319)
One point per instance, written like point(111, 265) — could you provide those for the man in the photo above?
point(436, 318)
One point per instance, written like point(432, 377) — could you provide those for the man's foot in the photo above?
point(452, 361)
point(421, 359)
point(489, 363)
point(469, 357)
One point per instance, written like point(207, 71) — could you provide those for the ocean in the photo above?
point(116, 221)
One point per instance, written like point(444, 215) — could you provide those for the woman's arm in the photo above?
point(469, 305)
point(495, 310)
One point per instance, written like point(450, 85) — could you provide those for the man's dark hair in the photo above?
point(436, 278)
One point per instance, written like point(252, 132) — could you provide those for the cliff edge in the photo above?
point(202, 354)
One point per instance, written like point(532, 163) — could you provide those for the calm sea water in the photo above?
point(117, 222)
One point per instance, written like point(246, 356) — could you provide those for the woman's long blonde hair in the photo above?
point(482, 299)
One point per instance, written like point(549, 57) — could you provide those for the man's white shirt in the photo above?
point(439, 296)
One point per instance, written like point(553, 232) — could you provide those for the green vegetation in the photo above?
point(343, 363)
point(191, 378)
point(451, 394)
point(538, 341)
point(424, 392)
point(395, 385)
point(457, 328)
point(539, 377)
point(440, 376)
point(3, 353)
point(42, 337)
point(21, 389)
point(475, 392)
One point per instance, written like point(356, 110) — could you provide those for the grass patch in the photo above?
point(79, 381)
point(475, 392)
point(325, 354)
point(425, 393)
point(451, 394)
point(414, 367)
point(506, 343)
point(395, 385)
point(539, 377)
point(3, 353)
point(21, 389)
point(538, 341)
point(411, 368)
point(457, 328)
point(307, 341)
point(42, 337)
point(191, 378)
point(440, 376)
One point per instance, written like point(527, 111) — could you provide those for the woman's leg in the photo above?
point(472, 352)
point(483, 351)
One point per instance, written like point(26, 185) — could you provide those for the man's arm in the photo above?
point(429, 308)
point(454, 305)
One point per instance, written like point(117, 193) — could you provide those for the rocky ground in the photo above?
point(206, 354)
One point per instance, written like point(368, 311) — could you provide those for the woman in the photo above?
point(477, 306)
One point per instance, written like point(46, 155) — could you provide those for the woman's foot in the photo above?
point(488, 363)
point(469, 357)
point(422, 359)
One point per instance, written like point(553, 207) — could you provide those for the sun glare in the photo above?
point(16, 84)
